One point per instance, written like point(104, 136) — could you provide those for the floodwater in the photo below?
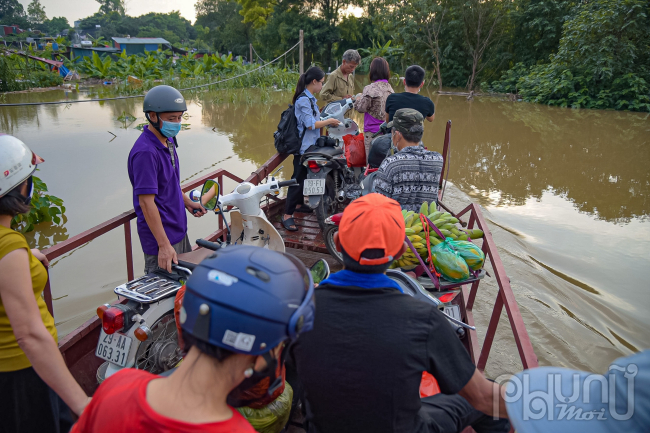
point(567, 193)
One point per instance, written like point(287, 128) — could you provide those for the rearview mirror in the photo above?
point(210, 194)
point(320, 271)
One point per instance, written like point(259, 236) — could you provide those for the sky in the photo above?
point(76, 9)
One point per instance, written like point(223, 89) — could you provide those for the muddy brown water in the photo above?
point(567, 193)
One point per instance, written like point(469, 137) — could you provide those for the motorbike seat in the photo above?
point(326, 151)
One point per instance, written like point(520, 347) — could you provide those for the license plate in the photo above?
point(314, 187)
point(113, 348)
point(453, 311)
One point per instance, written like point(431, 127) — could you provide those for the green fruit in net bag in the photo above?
point(273, 417)
point(472, 254)
point(449, 263)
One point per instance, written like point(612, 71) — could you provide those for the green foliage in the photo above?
point(45, 208)
point(36, 12)
point(46, 79)
point(602, 61)
point(108, 6)
point(391, 54)
point(256, 11)
point(12, 12)
point(55, 26)
point(10, 68)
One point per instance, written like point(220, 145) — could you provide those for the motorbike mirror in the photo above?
point(320, 271)
point(195, 196)
point(210, 194)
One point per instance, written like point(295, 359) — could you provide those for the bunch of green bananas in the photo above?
point(445, 222)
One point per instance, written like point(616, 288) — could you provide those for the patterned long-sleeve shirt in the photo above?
point(410, 177)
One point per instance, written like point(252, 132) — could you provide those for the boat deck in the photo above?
point(308, 237)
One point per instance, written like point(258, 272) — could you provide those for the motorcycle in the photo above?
point(142, 333)
point(330, 182)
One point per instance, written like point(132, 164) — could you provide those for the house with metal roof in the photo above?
point(138, 45)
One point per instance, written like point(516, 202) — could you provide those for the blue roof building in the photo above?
point(138, 45)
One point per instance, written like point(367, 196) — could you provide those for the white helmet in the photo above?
point(17, 163)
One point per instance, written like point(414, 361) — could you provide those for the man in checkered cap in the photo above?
point(411, 175)
point(361, 365)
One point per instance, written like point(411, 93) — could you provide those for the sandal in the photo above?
point(288, 223)
point(304, 209)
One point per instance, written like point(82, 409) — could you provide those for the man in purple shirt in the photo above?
point(154, 172)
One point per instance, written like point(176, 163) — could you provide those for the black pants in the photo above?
point(28, 405)
point(443, 413)
point(294, 195)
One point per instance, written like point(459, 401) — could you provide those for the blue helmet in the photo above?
point(248, 299)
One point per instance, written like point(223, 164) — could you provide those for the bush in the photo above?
point(602, 61)
point(45, 208)
point(45, 79)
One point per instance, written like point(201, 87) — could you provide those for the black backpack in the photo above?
point(287, 138)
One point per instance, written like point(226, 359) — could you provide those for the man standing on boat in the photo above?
point(411, 175)
point(410, 98)
point(361, 365)
point(340, 83)
point(154, 171)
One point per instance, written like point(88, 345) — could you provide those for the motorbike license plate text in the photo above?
point(314, 187)
point(113, 348)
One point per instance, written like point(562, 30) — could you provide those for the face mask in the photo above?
point(170, 129)
point(258, 389)
point(393, 146)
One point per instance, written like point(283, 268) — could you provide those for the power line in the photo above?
point(141, 96)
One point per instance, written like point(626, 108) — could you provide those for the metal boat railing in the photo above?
point(125, 220)
point(479, 354)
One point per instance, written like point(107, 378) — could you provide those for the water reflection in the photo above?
point(596, 159)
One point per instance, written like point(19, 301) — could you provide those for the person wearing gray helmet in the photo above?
point(154, 172)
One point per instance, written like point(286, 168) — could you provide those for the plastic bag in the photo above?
point(471, 253)
point(428, 385)
point(273, 417)
point(178, 303)
point(355, 151)
point(448, 262)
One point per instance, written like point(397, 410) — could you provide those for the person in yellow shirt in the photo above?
point(340, 83)
point(36, 387)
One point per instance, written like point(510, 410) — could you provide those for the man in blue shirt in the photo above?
point(154, 172)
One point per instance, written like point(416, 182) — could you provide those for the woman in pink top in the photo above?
point(373, 99)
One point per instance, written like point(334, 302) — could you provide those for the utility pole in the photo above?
point(250, 48)
point(302, 53)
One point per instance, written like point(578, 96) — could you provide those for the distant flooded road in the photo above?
point(567, 191)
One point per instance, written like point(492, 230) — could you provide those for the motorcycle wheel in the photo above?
point(328, 236)
point(160, 352)
point(328, 205)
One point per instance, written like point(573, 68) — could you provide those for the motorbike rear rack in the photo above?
point(149, 288)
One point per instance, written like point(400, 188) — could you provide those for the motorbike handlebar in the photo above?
point(185, 264)
point(207, 244)
point(289, 182)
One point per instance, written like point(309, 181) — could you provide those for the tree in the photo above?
point(481, 19)
point(226, 29)
point(418, 23)
point(36, 12)
point(12, 12)
point(56, 25)
point(107, 6)
point(256, 11)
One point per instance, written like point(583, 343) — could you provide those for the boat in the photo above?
point(78, 347)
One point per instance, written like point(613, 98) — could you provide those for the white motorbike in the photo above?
point(142, 333)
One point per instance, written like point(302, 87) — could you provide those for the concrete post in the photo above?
point(302, 53)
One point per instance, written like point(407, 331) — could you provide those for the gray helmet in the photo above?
point(164, 99)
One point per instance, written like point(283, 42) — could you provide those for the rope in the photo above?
point(140, 96)
point(258, 56)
